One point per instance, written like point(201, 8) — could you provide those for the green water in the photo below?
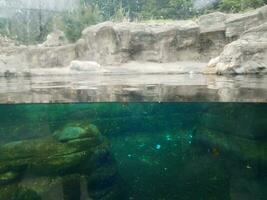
point(133, 151)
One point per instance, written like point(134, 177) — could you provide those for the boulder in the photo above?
point(212, 22)
point(239, 23)
point(62, 166)
point(245, 56)
point(86, 66)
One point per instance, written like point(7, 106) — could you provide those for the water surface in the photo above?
point(133, 88)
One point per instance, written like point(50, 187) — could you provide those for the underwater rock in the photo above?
point(8, 177)
point(236, 130)
point(18, 193)
point(238, 147)
point(70, 158)
point(245, 121)
point(75, 132)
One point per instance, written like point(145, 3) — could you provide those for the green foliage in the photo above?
point(182, 9)
point(4, 27)
point(73, 23)
point(108, 8)
point(26, 31)
point(241, 5)
point(159, 9)
point(120, 15)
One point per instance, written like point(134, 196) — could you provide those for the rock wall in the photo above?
point(110, 43)
point(244, 56)
point(116, 43)
point(200, 40)
point(248, 54)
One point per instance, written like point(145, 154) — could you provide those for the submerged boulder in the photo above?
point(68, 161)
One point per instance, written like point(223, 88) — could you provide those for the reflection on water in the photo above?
point(142, 151)
point(114, 88)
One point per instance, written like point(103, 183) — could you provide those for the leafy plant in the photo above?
point(241, 5)
point(73, 22)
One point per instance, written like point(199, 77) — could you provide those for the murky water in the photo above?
point(135, 151)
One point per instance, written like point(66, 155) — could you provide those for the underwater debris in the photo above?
point(158, 146)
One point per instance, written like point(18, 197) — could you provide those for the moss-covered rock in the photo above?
point(74, 131)
point(8, 177)
point(34, 168)
point(15, 192)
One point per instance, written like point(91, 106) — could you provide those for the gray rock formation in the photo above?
point(22, 59)
point(244, 56)
point(110, 43)
point(238, 23)
point(212, 37)
point(200, 40)
point(117, 43)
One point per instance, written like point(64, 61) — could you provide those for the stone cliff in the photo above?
point(190, 40)
point(245, 56)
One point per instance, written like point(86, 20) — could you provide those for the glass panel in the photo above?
point(133, 99)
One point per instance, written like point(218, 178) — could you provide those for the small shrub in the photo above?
point(74, 22)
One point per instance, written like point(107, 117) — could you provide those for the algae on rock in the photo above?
point(35, 168)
